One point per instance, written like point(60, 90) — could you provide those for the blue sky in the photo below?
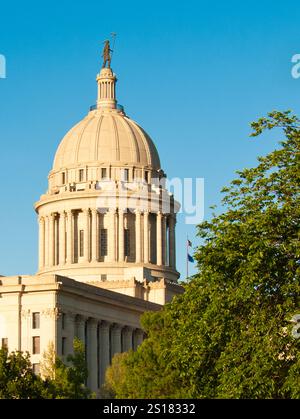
point(193, 74)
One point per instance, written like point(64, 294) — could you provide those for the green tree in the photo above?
point(66, 381)
point(114, 376)
point(17, 380)
point(58, 380)
point(229, 335)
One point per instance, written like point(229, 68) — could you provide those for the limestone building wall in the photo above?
point(106, 321)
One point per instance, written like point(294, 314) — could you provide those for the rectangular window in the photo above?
point(63, 346)
point(146, 176)
point(4, 343)
point(127, 242)
point(36, 369)
point(103, 277)
point(35, 320)
point(103, 242)
point(63, 178)
point(81, 243)
point(126, 175)
point(63, 321)
point(81, 174)
point(103, 173)
point(36, 345)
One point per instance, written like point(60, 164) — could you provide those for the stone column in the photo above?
point(164, 239)
point(104, 349)
point(138, 337)
point(51, 240)
point(86, 213)
point(46, 241)
point(70, 330)
point(57, 315)
point(94, 235)
point(146, 237)
point(116, 339)
point(127, 339)
point(159, 238)
point(138, 249)
point(112, 235)
point(41, 242)
point(55, 240)
point(172, 242)
point(62, 239)
point(92, 358)
point(70, 237)
point(80, 328)
point(121, 235)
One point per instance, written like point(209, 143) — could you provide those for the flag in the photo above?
point(190, 258)
point(189, 243)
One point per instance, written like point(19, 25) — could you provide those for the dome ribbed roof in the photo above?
point(106, 136)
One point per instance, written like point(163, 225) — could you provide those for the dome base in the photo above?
point(113, 271)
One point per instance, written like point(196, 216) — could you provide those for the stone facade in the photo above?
point(106, 243)
point(107, 322)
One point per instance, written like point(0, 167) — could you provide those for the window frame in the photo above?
point(126, 242)
point(4, 343)
point(126, 175)
point(103, 242)
point(81, 243)
point(103, 173)
point(36, 320)
point(36, 349)
point(81, 175)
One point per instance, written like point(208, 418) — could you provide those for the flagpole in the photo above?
point(187, 256)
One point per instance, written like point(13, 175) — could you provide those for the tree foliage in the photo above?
point(66, 380)
point(114, 376)
point(229, 335)
point(17, 380)
point(57, 381)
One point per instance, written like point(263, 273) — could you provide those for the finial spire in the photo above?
point(106, 79)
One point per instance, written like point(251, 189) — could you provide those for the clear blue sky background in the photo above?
point(192, 73)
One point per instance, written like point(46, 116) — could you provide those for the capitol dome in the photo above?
point(105, 140)
point(106, 136)
point(107, 216)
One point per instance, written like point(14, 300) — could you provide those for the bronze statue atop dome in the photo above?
point(106, 54)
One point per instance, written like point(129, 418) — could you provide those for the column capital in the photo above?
point(92, 322)
point(104, 324)
point(86, 211)
point(128, 329)
point(94, 211)
point(117, 327)
point(139, 331)
point(80, 318)
point(70, 316)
